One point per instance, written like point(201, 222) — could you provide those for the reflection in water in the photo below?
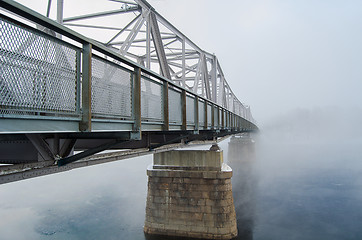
point(241, 158)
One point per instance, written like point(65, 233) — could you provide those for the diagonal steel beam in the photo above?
point(67, 147)
point(41, 146)
point(89, 152)
point(213, 79)
point(157, 41)
point(205, 76)
point(124, 29)
point(197, 76)
point(130, 38)
point(174, 40)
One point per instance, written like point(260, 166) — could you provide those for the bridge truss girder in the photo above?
point(151, 40)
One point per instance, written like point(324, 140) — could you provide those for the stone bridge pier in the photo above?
point(190, 195)
point(241, 149)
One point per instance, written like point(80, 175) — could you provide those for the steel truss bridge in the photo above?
point(123, 79)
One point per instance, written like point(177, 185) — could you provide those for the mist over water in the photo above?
point(303, 181)
point(308, 168)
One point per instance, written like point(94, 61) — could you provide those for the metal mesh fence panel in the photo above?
point(151, 100)
point(111, 89)
point(37, 72)
point(190, 109)
point(201, 113)
point(174, 108)
point(216, 114)
point(209, 115)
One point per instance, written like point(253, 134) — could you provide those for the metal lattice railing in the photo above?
point(111, 89)
point(216, 115)
point(38, 73)
point(174, 101)
point(151, 100)
point(209, 115)
point(190, 107)
point(201, 113)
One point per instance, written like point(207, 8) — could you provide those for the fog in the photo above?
point(298, 64)
point(300, 180)
point(306, 177)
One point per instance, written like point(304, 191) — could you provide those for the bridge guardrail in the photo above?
point(71, 81)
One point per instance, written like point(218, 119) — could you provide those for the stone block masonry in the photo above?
point(189, 196)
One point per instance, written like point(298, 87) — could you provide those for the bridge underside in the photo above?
point(30, 155)
point(38, 147)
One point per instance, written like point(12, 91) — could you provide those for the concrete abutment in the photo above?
point(190, 195)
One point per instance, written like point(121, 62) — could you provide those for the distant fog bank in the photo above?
point(328, 124)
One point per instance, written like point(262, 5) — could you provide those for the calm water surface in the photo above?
point(289, 191)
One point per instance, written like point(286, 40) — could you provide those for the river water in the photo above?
point(290, 190)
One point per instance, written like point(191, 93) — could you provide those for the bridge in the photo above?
point(139, 86)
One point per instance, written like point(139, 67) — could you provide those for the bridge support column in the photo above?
point(190, 195)
point(241, 157)
point(241, 149)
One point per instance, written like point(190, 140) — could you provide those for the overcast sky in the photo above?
point(277, 55)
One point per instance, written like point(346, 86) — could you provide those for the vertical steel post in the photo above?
point(212, 116)
point(222, 118)
point(205, 114)
point(78, 81)
point(218, 118)
point(183, 63)
point(183, 109)
point(226, 119)
point(237, 122)
point(60, 6)
point(196, 113)
point(166, 120)
point(233, 120)
point(48, 8)
point(137, 99)
point(86, 123)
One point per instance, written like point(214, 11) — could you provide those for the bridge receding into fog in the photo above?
point(122, 78)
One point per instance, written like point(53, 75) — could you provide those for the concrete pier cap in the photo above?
point(190, 195)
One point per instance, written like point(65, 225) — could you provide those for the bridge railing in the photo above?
point(83, 82)
point(38, 73)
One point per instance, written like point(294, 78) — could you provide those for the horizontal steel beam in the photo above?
point(101, 14)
